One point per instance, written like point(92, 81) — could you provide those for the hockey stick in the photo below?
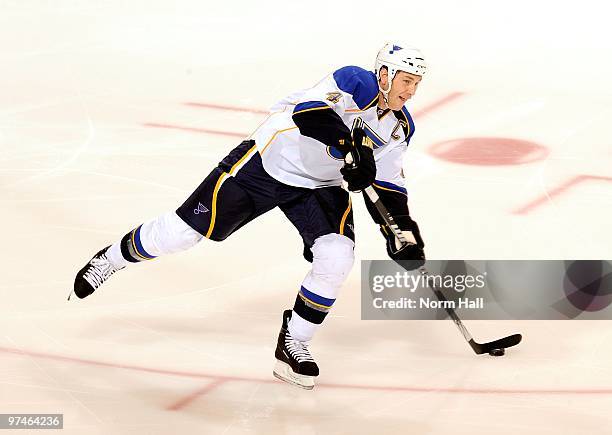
point(496, 347)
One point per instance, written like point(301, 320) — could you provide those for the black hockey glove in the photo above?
point(409, 256)
point(359, 171)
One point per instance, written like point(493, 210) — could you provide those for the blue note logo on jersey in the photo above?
point(395, 48)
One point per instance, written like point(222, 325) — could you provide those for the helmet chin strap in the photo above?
point(385, 92)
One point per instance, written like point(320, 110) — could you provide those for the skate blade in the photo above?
point(283, 372)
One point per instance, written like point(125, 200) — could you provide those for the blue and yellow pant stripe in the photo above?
point(311, 306)
point(317, 302)
point(132, 249)
point(232, 172)
point(345, 216)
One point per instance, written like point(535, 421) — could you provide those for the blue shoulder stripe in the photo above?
point(385, 185)
point(361, 84)
point(410, 123)
point(310, 105)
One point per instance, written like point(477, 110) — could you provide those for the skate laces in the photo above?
point(297, 349)
point(99, 271)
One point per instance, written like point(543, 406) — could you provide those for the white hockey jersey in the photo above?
point(352, 93)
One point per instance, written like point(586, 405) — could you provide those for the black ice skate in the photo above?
point(294, 362)
point(90, 277)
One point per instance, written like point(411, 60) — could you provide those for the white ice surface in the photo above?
point(185, 344)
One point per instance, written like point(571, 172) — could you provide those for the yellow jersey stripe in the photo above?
point(274, 137)
point(371, 102)
point(369, 106)
point(386, 188)
point(407, 123)
point(214, 205)
point(313, 108)
point(264, 121)
point(383, 117)
point(344, 216)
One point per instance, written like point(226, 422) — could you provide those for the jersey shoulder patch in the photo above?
point(407, 123)
point(359, 83)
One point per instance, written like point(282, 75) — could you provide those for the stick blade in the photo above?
point(502, 343)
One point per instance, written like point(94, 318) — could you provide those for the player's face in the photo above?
point(403, 87)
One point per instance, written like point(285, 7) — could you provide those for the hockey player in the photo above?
point(296, 161)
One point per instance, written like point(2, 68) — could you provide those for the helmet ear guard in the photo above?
point(398, 57)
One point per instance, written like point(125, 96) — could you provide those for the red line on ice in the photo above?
point(529, 207)
point(437, 104)
point(219, 379)
point(196, 394)
point(427, 109)
point(196, 129)
point(424, 111)
point(229, 108)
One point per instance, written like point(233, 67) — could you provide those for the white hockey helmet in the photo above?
point(398, 57)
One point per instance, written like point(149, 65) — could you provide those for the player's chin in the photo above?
point(397, 103)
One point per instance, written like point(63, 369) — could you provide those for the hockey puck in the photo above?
point(498, 352)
